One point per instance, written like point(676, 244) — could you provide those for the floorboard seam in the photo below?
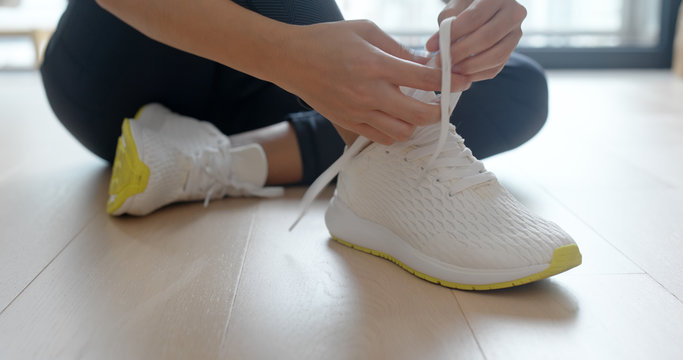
point(589, 226)
point(250, 235)
point(607, 241)
point(49, 263)
point(469, 325)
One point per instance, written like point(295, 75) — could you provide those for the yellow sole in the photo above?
point(129, 174)
point(564, 258)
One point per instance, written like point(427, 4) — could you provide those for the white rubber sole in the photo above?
point(353, 231)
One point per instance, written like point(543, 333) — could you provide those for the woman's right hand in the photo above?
point(350, 72)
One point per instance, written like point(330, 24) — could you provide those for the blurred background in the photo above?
point(606, 167)
point(559, 34)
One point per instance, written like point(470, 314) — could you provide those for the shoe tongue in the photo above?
point(249, 164)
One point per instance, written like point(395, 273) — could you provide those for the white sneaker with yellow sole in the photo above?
point(431, 207)
point(163, 157)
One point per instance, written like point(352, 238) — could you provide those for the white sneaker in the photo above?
point(451, 224)
point(163, 157)
point(429, 206)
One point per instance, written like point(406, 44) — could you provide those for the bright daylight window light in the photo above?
point(19, 19)
point(550, 23)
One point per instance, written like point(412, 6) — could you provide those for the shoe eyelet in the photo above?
point(450, 194)
point(405, 159)
point(438, 180)
point(386, 151)
point(422, 168)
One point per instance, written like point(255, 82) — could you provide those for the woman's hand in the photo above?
point(350, 72)
point(484, 33)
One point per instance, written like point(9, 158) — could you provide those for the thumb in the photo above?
point(375, 36)
point(432, 44)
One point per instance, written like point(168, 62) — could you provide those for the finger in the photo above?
point(375, 36)
point(372, 134)
point(396, 129)
point(366, 130)
point(488, 34)
point(400, 61)
point(452, 9)
point(407, 73)
point(482, 39)
point(493, 57)
point(417, 76)
point(474, 17)
point(408, 109)
point(487, 74)
point(460, 82)
point(414, 111)
point(432, 44)
point(470, 21)
point(422, 60)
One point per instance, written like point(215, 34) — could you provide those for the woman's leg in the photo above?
point(98, 70)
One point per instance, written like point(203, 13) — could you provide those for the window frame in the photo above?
point(658, 56)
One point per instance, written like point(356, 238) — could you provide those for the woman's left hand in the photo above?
point(484, 33)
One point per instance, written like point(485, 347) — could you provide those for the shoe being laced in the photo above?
point(163, 157)
point(431, 207)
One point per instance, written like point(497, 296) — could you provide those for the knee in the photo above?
point(503, 113)
point(533, 94)
point(94, 134)
point(529, 99)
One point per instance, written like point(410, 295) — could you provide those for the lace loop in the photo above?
point(446, 96)
point(214, 177)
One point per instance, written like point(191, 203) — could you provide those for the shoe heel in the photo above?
point(130, 175)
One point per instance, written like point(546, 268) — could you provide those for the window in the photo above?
point(557, 33)
point(600, 34)
point(589, 23)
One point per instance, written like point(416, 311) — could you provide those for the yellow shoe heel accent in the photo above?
point(564, 258)
point(137, 114)
point(129, 174)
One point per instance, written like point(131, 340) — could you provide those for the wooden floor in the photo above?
point(230, 282)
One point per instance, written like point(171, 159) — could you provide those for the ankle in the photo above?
point(281, 149)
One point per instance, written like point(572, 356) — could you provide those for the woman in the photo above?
point(254, 70)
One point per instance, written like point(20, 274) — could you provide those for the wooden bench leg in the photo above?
point(40, 39)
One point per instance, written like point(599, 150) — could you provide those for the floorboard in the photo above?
point(50, 188)
point(158, 287)
point(230, 282)
point(308, 297)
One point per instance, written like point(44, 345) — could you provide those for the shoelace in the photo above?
point(214, 175)
point(452, 160)
point(454, 164)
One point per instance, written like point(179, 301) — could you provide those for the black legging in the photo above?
point(98, 70)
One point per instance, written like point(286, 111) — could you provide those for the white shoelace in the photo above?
point(452, 159)
point(213, 175)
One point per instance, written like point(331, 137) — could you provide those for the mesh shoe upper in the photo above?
point(190, 160)
point(480, 227)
